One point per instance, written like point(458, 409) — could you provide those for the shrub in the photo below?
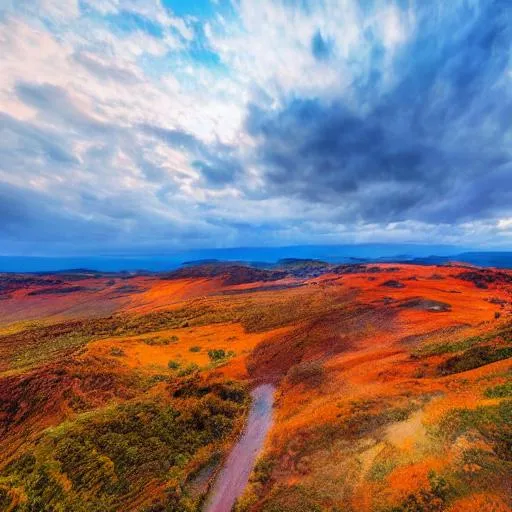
point(5, 500)
point(117, 352)
point(195, 348)
point(262, 470)
point(216, 354)
point(188, 370)
point(156, 341)
point(173, 364)
point(155, 379)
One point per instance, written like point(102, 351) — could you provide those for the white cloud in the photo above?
point(505, 224)
point(270, 45)
point(59, 9)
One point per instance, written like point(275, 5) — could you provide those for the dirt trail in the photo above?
point(234, 476)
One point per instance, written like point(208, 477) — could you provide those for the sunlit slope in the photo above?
point(401, 402)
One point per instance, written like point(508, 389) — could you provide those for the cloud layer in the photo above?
point(146, 126)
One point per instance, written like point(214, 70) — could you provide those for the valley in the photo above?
point(391, 389)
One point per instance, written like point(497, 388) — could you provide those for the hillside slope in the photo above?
point(126, 392)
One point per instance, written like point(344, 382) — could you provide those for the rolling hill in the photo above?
point(127, 391)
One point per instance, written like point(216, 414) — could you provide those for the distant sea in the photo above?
point(421, 254)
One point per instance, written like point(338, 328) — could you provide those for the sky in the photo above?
point(148, 126)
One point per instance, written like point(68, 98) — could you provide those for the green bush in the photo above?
point(216, 354)
point(195, 348)
point(173, 364)
point(156, 341)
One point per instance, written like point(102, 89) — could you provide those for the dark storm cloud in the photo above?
point(217, 163)
point(32, 219)
point(30, 215)
point(435, 147)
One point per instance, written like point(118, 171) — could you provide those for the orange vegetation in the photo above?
point(369, 364)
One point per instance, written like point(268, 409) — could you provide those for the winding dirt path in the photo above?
point(234, 476)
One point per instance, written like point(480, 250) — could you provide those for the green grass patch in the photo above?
point(474, 358)
point(501, 391)
point(381, 469)
point(32, 352)
point(433, 349)
point(494, 423)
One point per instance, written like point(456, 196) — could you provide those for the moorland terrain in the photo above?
point(126, 391)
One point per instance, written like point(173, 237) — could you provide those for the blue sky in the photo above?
point(149, 126)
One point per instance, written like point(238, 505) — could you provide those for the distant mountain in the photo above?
point(263, 257)
point(480, 259)
point(488, 259)
point(347, 253)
